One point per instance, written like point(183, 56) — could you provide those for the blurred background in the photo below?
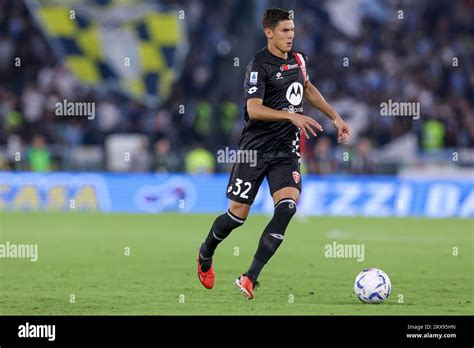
point(165, 79)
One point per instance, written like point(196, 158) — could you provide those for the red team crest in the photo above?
point(296, 177)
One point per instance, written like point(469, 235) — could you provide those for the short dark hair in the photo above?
point(273, 16)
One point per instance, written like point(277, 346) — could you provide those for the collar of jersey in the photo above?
point(290, 54)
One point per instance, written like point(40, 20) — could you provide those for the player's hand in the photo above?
point(343, 131)
point(306, 124)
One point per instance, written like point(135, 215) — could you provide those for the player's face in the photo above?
point(282, 36)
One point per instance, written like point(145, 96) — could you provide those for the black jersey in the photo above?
point(280, 83)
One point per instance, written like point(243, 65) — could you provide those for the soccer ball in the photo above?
point(372, 285)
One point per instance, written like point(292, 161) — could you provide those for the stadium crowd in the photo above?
point(425, 56)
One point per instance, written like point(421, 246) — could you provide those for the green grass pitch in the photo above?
point(83, 254)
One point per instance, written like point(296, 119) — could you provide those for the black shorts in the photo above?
point(245, 180)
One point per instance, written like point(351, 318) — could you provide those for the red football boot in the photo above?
point(246, 286)
point(206, 278)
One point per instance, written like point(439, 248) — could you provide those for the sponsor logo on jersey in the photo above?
point(286, 67)
point(292, 110)
point(253, 77)
point(278, 76)
point(296, 177)
point(252, 90)
point(294, 93)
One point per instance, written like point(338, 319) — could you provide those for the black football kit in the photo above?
point(280, 84)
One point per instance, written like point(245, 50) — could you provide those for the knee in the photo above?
point(239, 210)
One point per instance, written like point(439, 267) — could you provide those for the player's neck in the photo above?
point(276, 52)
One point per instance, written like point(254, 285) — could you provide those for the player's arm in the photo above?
point(258, 111)
point(314, 97)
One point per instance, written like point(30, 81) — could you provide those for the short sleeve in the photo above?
point(255, 79)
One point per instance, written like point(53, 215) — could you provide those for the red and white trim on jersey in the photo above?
point(301, 62)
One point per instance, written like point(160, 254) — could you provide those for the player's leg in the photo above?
point(285, 207)
point(221, 228)
point(242, 189)
point(285, 186)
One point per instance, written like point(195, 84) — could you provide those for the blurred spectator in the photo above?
point(12, 118)
point(433, 135)
point(323, 161)
point(4, 162)
point(39, 157)
point(109, 115)
point(203, 120)
point(165, 160)
point(227, 116)
point(32, 101)
point(73, 133)
point(140, 160)
point(362, 161)
point(199, 160)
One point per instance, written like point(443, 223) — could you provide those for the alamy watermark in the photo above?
point(25, 251)
point(336, 250)
point(237, 156)
point(73, 109)
point(28, 330)
point(393, 108)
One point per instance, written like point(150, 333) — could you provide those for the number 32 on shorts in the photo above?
point(247, 186)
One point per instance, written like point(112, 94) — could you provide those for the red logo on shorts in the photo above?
point(296, 177)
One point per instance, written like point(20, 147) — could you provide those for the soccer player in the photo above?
point(275, 84)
